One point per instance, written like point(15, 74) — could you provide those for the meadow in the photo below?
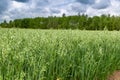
point(28, 54)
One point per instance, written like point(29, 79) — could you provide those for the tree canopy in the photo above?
point(66, 22)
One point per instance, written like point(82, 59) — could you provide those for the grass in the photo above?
point(58, 54)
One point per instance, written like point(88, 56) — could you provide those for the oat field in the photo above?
point(27, 54)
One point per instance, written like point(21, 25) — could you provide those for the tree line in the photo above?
point(82, 22)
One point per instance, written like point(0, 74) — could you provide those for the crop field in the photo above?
point(27, 54)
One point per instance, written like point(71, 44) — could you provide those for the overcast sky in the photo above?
point(13, 9)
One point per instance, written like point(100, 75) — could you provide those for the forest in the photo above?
point(80, 21)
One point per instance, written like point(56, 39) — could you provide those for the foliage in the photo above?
point(67, 22)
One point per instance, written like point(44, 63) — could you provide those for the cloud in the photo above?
point(96, 4)
point(102, 4)
point(3, 5)
point(21, 0)
point(40, 3)
point(77, 7)
point(13, 9)
point(55, 10)
point(86, 1)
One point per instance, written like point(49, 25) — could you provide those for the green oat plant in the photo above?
point(27, 54)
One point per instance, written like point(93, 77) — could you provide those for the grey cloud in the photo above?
point(3, 5)
point(55, 10)
point(27, 13)
point(21, 0)
point(41, 2)
point(86, 1)
point(39, 10)
point(78, 8)
point(102, 4)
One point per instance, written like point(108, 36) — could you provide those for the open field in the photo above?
point(58, 54)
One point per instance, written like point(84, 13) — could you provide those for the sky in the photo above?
point(14, 9)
